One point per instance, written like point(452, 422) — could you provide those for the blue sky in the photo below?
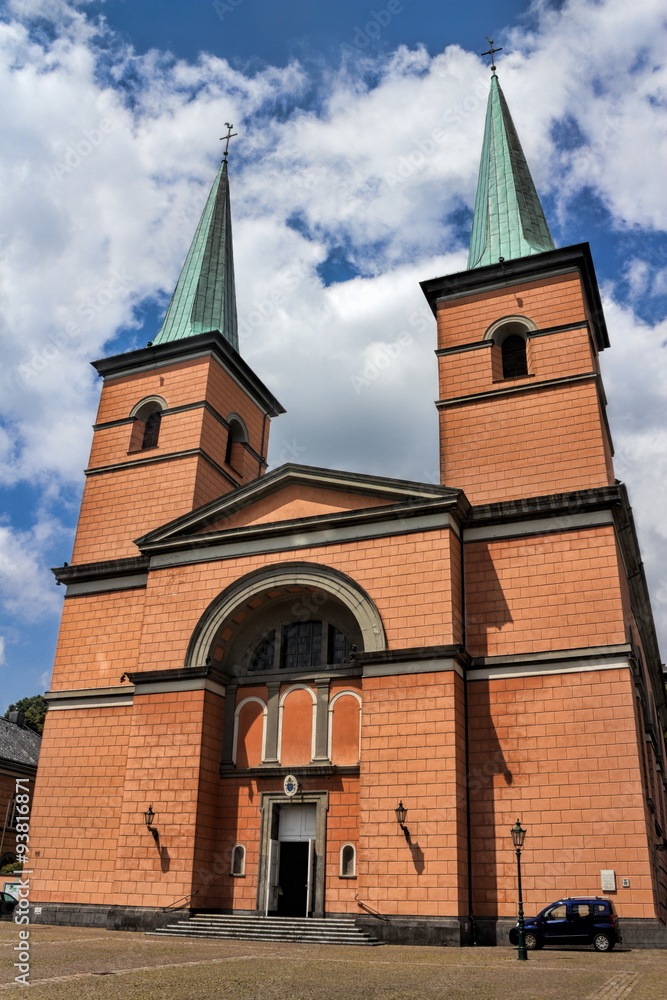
point(353, 177)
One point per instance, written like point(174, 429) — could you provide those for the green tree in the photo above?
point(34, 710)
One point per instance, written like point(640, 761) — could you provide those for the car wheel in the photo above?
point(602, 942)
point(532, 941)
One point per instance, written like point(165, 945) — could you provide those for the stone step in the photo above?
point(295, 929)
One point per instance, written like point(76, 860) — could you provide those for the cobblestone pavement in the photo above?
point(85, 963)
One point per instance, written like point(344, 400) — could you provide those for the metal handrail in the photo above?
point(369, 909)
point(175, 906)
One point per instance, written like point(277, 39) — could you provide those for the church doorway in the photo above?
point(293, 856)
point(295, 863)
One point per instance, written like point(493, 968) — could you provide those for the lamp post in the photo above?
point(518, 837)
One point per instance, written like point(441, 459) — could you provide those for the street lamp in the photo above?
point(518, 837)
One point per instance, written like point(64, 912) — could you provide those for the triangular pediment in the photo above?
point(295, 494)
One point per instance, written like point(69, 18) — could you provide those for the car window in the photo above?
point(599, 909)
point(556, 913)
point(582, 910)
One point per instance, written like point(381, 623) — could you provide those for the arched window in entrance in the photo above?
point(302, 644)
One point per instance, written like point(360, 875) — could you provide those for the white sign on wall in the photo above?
point(608, 880)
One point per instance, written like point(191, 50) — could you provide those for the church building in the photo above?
point(310, 693)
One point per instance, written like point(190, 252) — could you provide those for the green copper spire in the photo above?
point(205, 296)
point(508, 221)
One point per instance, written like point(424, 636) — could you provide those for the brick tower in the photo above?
point(184, 419)
point(557, 613)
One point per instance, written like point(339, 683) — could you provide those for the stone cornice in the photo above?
point(525, 269)
point(187, 349)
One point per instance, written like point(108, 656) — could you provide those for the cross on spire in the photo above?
point(491, 52)
point(226, 138)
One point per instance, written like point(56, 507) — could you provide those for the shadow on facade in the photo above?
point(488, 769)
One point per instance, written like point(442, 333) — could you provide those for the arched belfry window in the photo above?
point(147, 420)
point(513, 351)
point(152, 430)
point(237, 437)
point(510, 351)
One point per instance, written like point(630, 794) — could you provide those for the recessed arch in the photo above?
point(147, 417)
point(292, 689)
point(148, 405)
point(237, 438)
point(507, 325)
point(348, 861)
point(330, 728)
point(509, 336)
point(238, 861)
point(305, 584)
point(251, 699)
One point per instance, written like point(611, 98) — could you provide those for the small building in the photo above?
point(19, 753)
point(262, 666)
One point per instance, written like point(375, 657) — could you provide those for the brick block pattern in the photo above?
point(78, 806)
point(548, 441)
point(545, 441)
point(413, 748)
point(209, 804)
point(408, 577)
point(544, 592)
point(100, 637)
point(169, 766)
point(555, 301)
point(557, 355)
point(131, 501)
point(560, 752)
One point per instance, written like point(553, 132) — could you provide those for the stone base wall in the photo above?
point(636, 932)
point(448, 932)
point(113, 918)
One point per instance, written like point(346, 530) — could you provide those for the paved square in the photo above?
point(71, 962)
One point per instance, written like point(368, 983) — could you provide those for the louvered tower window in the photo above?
point(513, 350)
point(152, 430)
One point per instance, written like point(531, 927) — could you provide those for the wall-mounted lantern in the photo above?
point(149, 818)
point(401, 813)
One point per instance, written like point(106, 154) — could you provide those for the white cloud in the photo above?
point(635, 377)
point(27, 589)
point(107, 160)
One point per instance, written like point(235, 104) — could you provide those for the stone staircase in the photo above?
point(302, 930)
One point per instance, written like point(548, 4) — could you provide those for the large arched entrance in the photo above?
point(285, 638)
